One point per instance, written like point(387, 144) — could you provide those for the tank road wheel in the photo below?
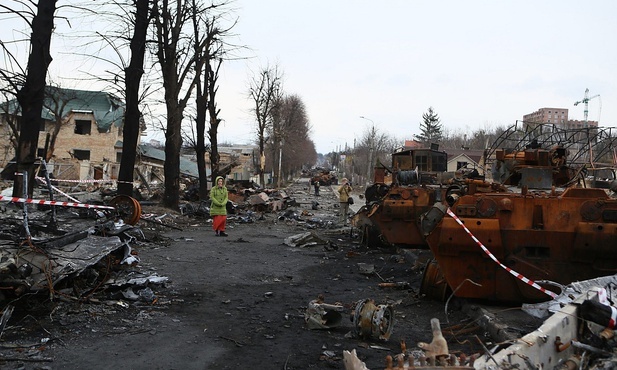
point(434, 283)
point(127, 208)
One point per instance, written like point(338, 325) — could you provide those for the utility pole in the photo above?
point(370, 151)
point(353, 161)
point(278, 185)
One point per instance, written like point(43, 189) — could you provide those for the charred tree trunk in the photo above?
point(262, 164)
point(200, 147)
point(171, 168)
point(31, 96)
point(132, 117)
point(175, 69)
point(215, 157)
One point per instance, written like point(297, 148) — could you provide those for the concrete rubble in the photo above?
point(99, 256)
point(577, 335)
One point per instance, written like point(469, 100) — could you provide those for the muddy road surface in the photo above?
point(239, 302)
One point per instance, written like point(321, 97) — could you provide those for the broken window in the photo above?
point(439, 162)
point(83, 127)
point(114, 172)
point(461, 165)
point(422, 162)
point(82, 155)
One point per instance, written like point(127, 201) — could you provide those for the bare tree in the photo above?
point(209, 58)
point(265, 90)
point(373, 147)
point(176, 57)
point(290, 143)
point(56, 101)
point(133, 116)
point(10, 111)
point(32, 94)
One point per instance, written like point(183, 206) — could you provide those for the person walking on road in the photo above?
point(317, 185)
point(218, 208)
point(344, 192)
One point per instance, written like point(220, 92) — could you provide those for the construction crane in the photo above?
point(586, 100)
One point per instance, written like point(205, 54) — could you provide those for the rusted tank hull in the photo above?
point(558, 237)
point(396, 216)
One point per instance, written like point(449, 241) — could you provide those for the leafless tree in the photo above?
point(265, 90)
point(133, 116)
point(209, 52)
point(290, 143)
point(32, 94)
point(11, 114)
point(176, 58)
point(374, 147)
point(479, 138)
point(56, 100)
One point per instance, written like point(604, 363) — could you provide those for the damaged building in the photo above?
point(83, 134)
point(84, 130)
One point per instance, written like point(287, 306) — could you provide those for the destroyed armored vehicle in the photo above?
point(544, 228)
point(324, 177)
point(392, 211)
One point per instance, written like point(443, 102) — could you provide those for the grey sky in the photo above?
point(478, 63)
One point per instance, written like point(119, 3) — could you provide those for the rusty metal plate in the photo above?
point(536, 177)
point(406, 194)
point(466, 211)
point(486, 207)
point(591, 210)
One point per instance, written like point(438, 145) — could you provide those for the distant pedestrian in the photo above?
point(218, 208)
point(316, 184)
point(344, 193)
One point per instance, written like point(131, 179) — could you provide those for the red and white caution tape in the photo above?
point(58, 190)
point(516, 274)
point(613, 321)
point(51, 203)
point(87, 180)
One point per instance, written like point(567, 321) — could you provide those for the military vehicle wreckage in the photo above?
point(549, 214)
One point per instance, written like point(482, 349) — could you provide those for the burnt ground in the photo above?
point(237, 302)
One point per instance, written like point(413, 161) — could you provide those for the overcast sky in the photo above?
point(477, 63)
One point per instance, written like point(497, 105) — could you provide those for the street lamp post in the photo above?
point(353, 161)
point(370, 151)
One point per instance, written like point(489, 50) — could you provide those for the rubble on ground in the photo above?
point(93, 257)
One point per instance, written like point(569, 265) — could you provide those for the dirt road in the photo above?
point(239, 303)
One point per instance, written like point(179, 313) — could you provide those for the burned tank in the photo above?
point(392, 211)
point(544, 227)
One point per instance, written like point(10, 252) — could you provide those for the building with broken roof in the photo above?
point(85, 130)
point(150, 161)
point(88, 130)
point(242, 157)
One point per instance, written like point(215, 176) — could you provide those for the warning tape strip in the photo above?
point(59, 191)
point(51, 202)
point(86, 180)
point(516, 274)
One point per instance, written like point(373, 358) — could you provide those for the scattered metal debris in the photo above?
point(320, 315)
point(307, 239)
point(373, 321)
